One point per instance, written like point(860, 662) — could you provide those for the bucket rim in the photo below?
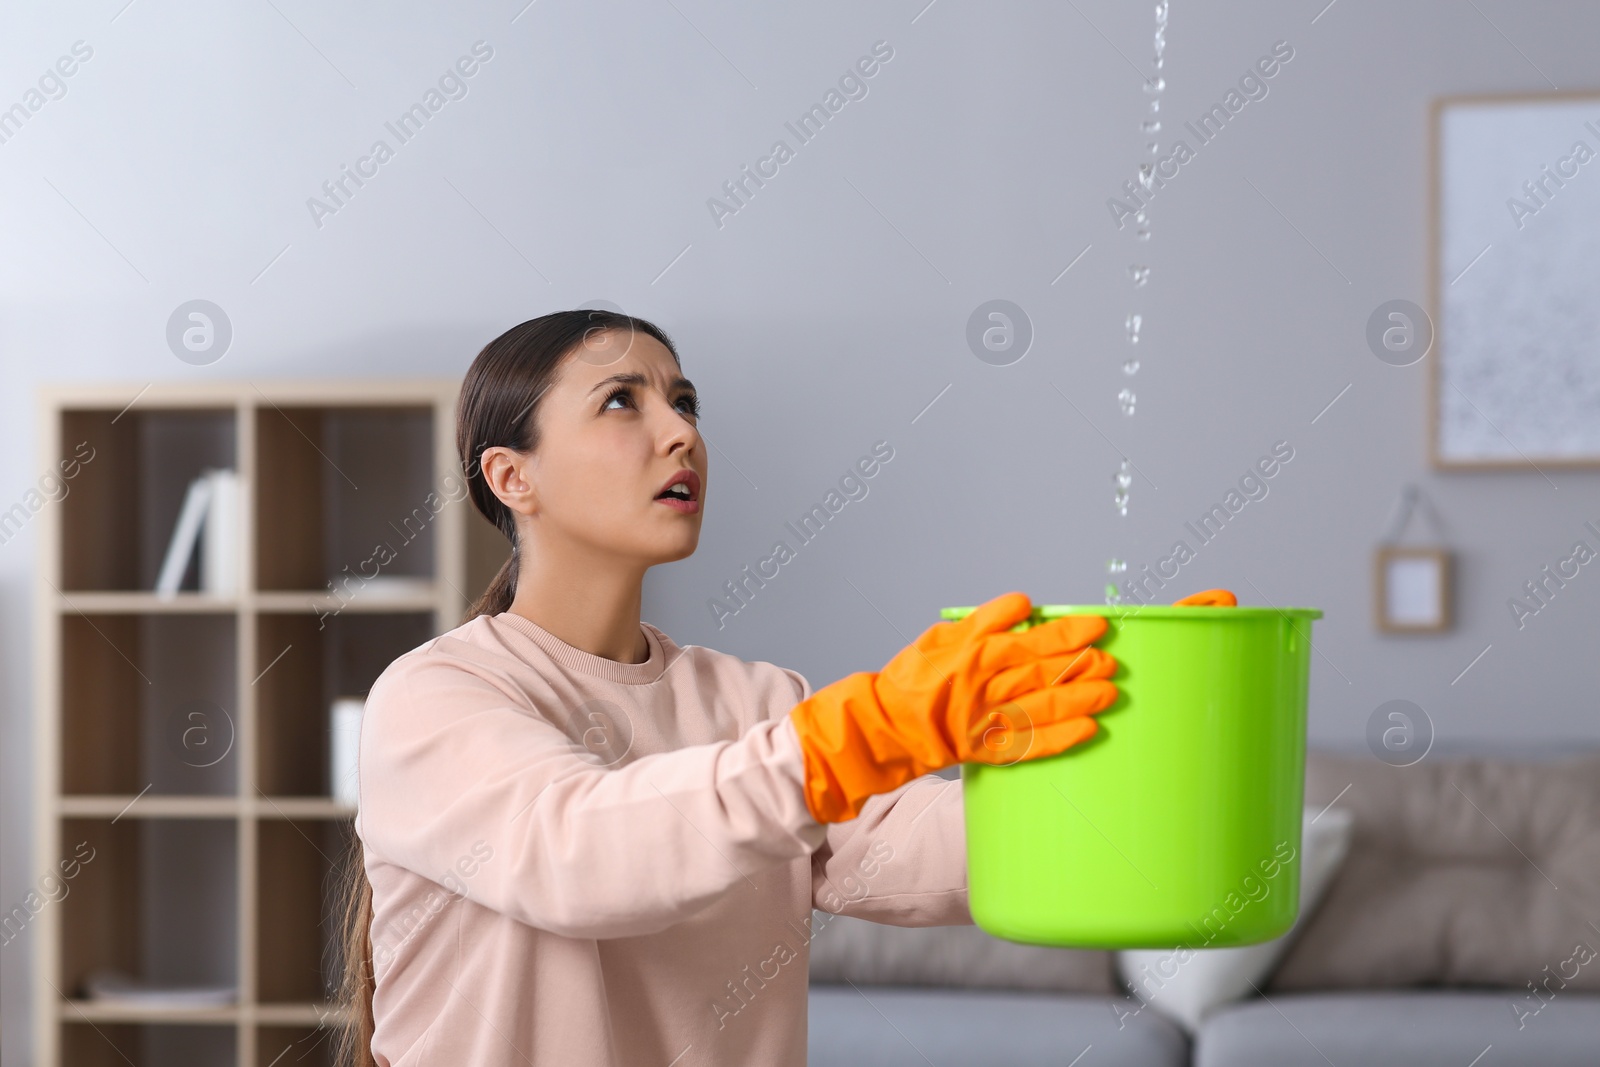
point(1157, 611)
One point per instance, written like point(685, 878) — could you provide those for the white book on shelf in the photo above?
point(219, 546)
point(344, 748)
point(184, 535)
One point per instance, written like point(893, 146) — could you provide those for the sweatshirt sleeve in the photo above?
point(902, 861)
point(448, 760)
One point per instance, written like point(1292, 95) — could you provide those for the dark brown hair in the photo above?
point(498, 406)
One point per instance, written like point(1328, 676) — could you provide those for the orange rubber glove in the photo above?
point(1208, 598)
point(964, 691)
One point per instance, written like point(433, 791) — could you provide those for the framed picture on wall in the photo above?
point(1412, 589)
point(1514, 272)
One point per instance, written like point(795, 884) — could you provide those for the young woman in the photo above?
point(580, 842)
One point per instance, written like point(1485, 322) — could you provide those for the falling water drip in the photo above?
point(1140, 275)
point(1114, 567)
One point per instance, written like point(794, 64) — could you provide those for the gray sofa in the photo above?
point(1471, 877)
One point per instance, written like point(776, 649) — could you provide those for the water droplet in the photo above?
point(1130, 366)
point(1115, 565)
point(1126, 398)
point(1153, 148)
point(1140, 275)
point(1155, 85)
point(1122, 478)
point(1155, 106)
point(1121, 500)
point(1112, 595)
point(1143, 233)
point(1150, 125)
point(1132, 324)
point(1159, 61)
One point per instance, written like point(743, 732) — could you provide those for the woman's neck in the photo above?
point(591, 607)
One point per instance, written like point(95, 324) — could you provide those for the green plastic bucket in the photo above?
point(1179, 822)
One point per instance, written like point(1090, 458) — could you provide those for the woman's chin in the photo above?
point(672, 549)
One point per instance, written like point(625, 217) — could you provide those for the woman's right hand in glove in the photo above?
point(969, 691)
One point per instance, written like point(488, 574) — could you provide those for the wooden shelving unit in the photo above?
point(185, 740)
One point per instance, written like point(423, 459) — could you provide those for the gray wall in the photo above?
point(827, 313)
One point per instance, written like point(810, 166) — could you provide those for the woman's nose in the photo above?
point(679, 429)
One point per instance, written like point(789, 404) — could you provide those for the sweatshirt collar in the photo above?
point(576, 659)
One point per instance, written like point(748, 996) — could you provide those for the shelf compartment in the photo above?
point(314, 660)
point(295, 1046)
point(336, 483)
point(299, 908)
point(86, 1044)
point(132, 469)
point(147, 704)
point(155, 898)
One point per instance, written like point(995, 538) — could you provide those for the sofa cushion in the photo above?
point(1189, 983)
point(1462, 871)
point(847, 949)
point(1401, 1028)
point(889, 1026)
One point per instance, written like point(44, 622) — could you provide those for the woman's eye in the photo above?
point(689, 404)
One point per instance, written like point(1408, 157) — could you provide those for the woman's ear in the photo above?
point(508, 474)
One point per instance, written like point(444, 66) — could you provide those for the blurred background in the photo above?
point(940, 266)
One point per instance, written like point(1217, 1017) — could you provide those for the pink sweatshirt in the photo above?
point(580, 861)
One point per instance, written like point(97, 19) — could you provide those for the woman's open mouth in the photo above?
point(682, 492)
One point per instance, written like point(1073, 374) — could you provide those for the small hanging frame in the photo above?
point(1413, 585)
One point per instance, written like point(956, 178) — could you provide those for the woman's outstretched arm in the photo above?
point(449, 760)
point(902, 861)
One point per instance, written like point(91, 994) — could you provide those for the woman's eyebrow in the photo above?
point(635, 378)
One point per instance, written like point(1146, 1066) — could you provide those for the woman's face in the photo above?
point(617, 424)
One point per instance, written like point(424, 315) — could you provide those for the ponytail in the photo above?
point(502, 590)
point(353, 1040)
